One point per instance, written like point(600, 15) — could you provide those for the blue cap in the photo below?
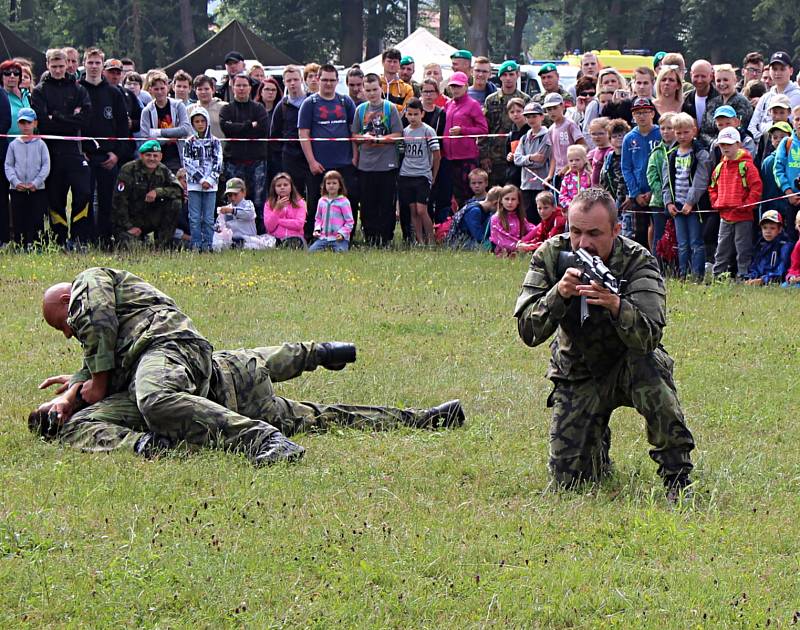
point(725, 111)
point(26, 113)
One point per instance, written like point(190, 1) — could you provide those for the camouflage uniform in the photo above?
point(604, 364)
point(129, 208)
point(494, 108)
point(165, 379)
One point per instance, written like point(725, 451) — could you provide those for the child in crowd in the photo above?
point(636, 149)
point(509, 229)
point(563, 133)
point(655, 165)
point(793, 275)
point(533, 155)
point(685, 181)
point(725, 117)
point(202, 159)
point(775, 134)
point(285, 212)
point(735, 182)
point(553, 221)
point(577, 178)
point(478, 183)
point(470, 226)
point(611, 177)
point(418, 170)
point(239, 213)
point(773, 252)
point(27, 167)
point(333, 223)
point(598, 130)
point(780, 109)
point(519, 128)
point(787, 168)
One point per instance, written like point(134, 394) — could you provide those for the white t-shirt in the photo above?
point(700, 107)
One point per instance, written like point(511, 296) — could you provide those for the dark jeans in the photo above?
point(441, 193)
point(101, 185)
point(314, 184)
point(5, 232)
point(377, 205)
point(460, 170)
point(70, 172)
point(254, 174)
point(28, 209)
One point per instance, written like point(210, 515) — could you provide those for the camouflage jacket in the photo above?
point(592, 350)
point(494, 108)
point(116, 316)
point(133, 183)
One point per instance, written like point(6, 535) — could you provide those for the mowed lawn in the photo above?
point(408, 529)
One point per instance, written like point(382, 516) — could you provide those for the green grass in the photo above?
point(455, 529)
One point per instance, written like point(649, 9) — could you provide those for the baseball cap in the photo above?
point(771, 215)
point(780, 57)
point(729, 135)
point(458, 78)
point(233, 55)
point(532, 109)
point(407, 60)
point(642, 103)
point(234, 184)
point(26, 113)
point(113, 64)
point(725, 111)
point(507, 66)
point(150, 146)
point(548, 67)
point(553, 100)
point(780, 100)
point(658, 57)
point(462, 54)
point(783, 126)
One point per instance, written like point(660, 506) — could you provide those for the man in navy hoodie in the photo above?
point(636, 149)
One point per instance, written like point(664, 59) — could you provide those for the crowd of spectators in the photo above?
point(704, 162)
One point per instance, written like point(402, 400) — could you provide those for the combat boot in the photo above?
point(277, 448)
point(678, 488)
point(449, 414)
point(334, 355)
point(150, 445)
point(44, 423)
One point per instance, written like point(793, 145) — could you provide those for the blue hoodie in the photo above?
point(787, 165)
point(636, 149)
point(771, 259)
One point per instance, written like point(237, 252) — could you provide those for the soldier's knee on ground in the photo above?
point(158, 406)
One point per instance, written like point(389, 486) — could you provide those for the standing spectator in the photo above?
point(355, 85)
point(780, 110)
point(611, 177)
point(598, 130)
point(108, 119)
point(696, 100)
point(326, 115)
point(434, 71)
point(434, 117)
point(533, 155)
point(787, 167)
point(669, 92)
point(463, 117)
point(284, 125)
point(548, 75)
point(622, 99)
point(204, 89)
point(166, 119)
point(655, 170)
point(577, 178)
point(481, 87)
point(202, 159)
point(725, 79)
point(63, 108)
point(73, 60)
point(244, 118)
point(780, 73)
point(311, 77)
point(128, 66)
point(610, 81)
point(12, 100)
point(134, 83)
point(493, 150)
point(586, 90)
point(753, 91)
point(376, 125)
point(333, 223)
point(461, 61)
point(182, 87)
point(752, 69)
point(18, 97)
point(776, 133)
point(519, 127)
point(112, 72)
point(407, 68)
point(394, 89)
point(27, 165)
point(270, 95)
point(563, 133)
point(725, 116)
point(590, 68)
point(234, 65)
point(636, 149)
point(257, 72)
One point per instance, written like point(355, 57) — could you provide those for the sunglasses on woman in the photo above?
point(12, 73)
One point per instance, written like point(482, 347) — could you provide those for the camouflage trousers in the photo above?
point(160, 218)
point(580, 438)
point(225, 400)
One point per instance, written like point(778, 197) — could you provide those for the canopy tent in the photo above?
point(12, 45)
point(424, 47)
point(233, 36)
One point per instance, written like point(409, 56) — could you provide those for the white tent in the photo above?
point(424, 47)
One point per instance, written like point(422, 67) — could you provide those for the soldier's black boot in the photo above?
point(151, 445)
point(277, 448)
point(43, 423)
point(334, 355)
point(449, 414)
point(678, 488)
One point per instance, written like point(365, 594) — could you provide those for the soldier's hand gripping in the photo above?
point(569, 283)
point(62, 380)
point(95, 388)
point(597, 295)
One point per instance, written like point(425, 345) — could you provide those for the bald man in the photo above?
point(150, 380)
point(694, 101)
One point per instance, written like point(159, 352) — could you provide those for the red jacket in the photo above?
point(728, 190)
point(794, 267)
point(554, 225)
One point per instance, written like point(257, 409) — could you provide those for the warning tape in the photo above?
point(348, 139)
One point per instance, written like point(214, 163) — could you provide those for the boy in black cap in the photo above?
point(234, 64)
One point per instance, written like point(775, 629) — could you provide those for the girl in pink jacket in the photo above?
point(285, 212)
point(509, 228)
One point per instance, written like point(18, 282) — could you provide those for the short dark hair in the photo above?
point(371, 77)
point(753, 57)
point(127, 61)
point(328, 67)
point(585, 83)
point(433, 83)
point(182, 75)
point(754, 89)
point(202, 79)
point(240, 75)
point(587, 198)
point(134, 77)
point(391, 53)
point(414, 103)
point(355, 71)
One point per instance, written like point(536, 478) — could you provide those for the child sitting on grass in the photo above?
point(470, 225)
point(239, 214)
point(772, 253)
point(285, 212)
point(793, 275)
point(553, 222)
point(509, 227)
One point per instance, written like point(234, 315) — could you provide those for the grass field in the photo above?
point(407, 529)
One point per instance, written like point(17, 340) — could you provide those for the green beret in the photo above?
point(658, 57)
point(407, 60)
point(150, 146)
point(548, 67)
point(462, 54)
point(507, 66)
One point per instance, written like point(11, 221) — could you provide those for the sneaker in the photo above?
point(277, 448)
point(449, 414)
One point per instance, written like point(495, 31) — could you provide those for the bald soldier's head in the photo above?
point(55, 305)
